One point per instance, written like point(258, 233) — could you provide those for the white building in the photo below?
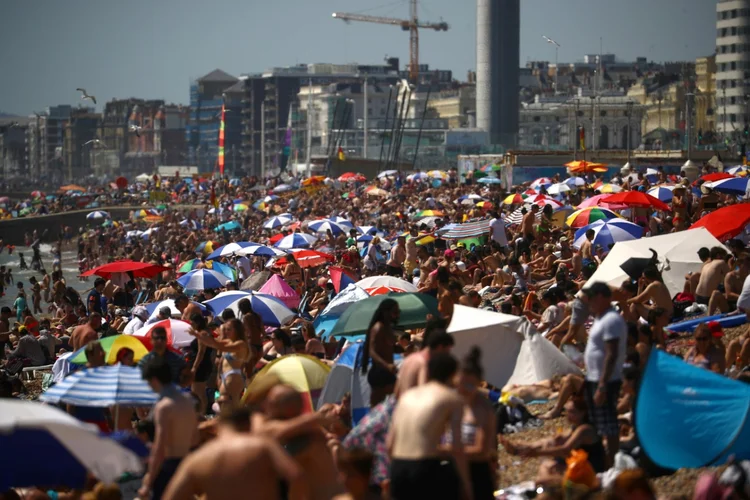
point(732, 64)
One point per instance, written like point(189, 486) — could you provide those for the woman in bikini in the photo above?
point(253, 324)
point(292, 273)
point(235, 353)
point(704, 354)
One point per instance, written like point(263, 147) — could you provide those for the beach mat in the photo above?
point(726, 321)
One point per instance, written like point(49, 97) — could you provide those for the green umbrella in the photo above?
point(414, 310)
point(478, 174)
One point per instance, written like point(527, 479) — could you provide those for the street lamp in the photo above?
point(557, 46)
point(629, 105)
point(577, 138)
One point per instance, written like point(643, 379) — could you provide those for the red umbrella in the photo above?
point(726, 223)
point(340, 278)
point(121, 182)
point(716, 176)
point(139, 269)
point(382, 290)
point(636, 199)
point(307, 258)
point(276, 238)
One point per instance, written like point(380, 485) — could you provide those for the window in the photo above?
point(734, 13)
point(733, 84)
point(734, 49)
point(369, 111)
point(732, 100)
point(536, 118)
point(732, 65)
point(602, 113)
point(734, 30)
point(733, 118)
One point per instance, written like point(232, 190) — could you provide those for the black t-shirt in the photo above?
point(94, 302)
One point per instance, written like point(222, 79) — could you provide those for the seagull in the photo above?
point(549, 40)
point(95, 142)
point(85, 95)
point(137, 129)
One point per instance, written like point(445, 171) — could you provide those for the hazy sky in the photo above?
point(152, 48)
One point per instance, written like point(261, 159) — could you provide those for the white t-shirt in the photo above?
point(743, 303)
point(498, 232)
point(133, 325)
point(609, 326)
point(551, 316)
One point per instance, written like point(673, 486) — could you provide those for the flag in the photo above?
point(582, 138)
point(214, 201)
point(342, 157)
point(221, 141)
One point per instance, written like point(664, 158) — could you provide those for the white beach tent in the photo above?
point(677, 254)
point(513, 352)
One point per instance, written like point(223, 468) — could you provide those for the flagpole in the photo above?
point(308, 145)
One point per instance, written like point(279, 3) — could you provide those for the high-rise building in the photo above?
point(732, 64)
point(78, 131)
point(498, 61)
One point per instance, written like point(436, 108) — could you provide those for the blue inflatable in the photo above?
point(687, 416)
point(724, 320)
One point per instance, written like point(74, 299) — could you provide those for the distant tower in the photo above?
point(498, 61)
point(732, 65)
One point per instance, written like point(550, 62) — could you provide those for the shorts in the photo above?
point(482, 480)
point(394, 271)
point(579, 312)
point(379, 377)
point(424, 478)
point(604, 418)
point(700, 299)
point(168, 468)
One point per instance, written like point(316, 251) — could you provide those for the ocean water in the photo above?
point(69, 267)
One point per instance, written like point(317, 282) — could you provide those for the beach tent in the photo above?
point(678, 255)
point(690, 417)
point(328, 318)
point(277, 287)
point(513, 352)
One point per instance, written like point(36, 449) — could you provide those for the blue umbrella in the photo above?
point(224, 269)
point(230, 249)
point(272, 311)
point(342, 222)
point(296, 240)
point(737, 185)
point(278, 221)
point(609, 232)
point(71, 448)
point(229, 226)
point(322, 226)
point(261, 250)
point(489, 180)
point(201, 279)
point(663, 193)
point(102, 387)
point(97, 214)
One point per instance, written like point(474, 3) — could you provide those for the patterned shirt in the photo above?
point(370, 434)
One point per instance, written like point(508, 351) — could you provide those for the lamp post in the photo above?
point(557, 46)
point(577, 138)
point(630, 133)
point(593, 124)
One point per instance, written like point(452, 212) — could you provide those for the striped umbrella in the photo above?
point(97, 214)
point(609, 232)
point(419, 176)
point(306, 258)
point(438, 174)
point(559, 188)
point(735, 185)
point(225, 269)
point(296, 240)
point(230, 249)
point(112, 345)
point(342, 221)
point(272, 311)
point(323, 226)
point(382, 290)
point(201, 279)
point(586, 216)
point(387, 281)
point(575, 181)
point(663, 193)
point(261, 251)
point(516, 217)
point(178, 332)
point(240, 207)
point(515, 199)
point(102, 387)
point(270, 198)
point(471, 229)
point(542, 181)
point(192, 264)
point(430, 213)
point(544, 201)
point(278, 221)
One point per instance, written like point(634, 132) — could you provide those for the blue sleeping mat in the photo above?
point(726, 321)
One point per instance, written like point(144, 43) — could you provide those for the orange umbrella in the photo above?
point(71, 187)
point(314, 180)
point(585, 167)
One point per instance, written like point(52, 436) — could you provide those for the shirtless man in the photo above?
point(380, 342)
point(419, 421)
point(413, 370)
point(733, 281)
point(235, 463)
point(691, 279)
point(308, 449)
point(411, 261)
point(398, 257)
point(176, 426)
point(85, 333)
point(187, 308)
point(712, 275)
point(655, 291)
point(586, 255)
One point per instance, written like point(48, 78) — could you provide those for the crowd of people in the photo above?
point(432, 427)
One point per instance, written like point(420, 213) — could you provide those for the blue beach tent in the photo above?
point(689, 417)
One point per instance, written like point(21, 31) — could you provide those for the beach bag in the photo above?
point(680, 303)
point(579, 469)
point(511, 414)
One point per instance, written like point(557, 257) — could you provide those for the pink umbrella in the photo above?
point(596, 201)
point(277, 287)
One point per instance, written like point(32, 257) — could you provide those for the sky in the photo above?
point(153, 48)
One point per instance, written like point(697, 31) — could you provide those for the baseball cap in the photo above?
point(350, 242)
point(449, 253)
point(597, 289)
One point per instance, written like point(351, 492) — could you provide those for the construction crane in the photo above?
point(411, 25)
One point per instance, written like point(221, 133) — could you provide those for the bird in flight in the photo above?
point(137, 129)
point(85, 95)
point(95, 142)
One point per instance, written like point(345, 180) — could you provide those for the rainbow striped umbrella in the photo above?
point(515, 199)
point(586, 216)
point(491, 167)
point(192, 265)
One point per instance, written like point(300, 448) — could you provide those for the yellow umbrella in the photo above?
point(306, 374)
point(585, 167)
point(609, 188)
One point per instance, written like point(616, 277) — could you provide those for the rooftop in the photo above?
point(217, 75)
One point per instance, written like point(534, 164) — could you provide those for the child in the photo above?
point(22, 265)
point(20, 305)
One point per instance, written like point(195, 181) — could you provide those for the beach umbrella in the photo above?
point(225, 269)
point(713, 177)
point(282, 188)
point(37, 194)
point(371, 230)
point(575, 181)
point(738, 170)
point(597, 201)
point(272, 311)
point(296, 240)
point(341, 221)
point(489, 180)
point(558, 188)
point(255, 280)
point(192, 264)
point(71, 449)
point(201, 279)
point(469, 199)
point(387, 173)
point(306, 258)
point(323, 226)
point(129, 267)
point(178, 333)
point(491, 167)
point(232, 225)
point(153, 308)
point(388, 281)
point(726, 222)
point(347, 176)
point(541, 182)
point(419, 176)
point(608, 232)
point(272, 197)
point(277, 221)
point(382, 290)
point(230, 249)
point(515, 199)
point(516, 217)
point(414, 310)
point(637, 199)
point(586, 216)
point(305, 373)
point(72, 187)
point(260, 251)
point(662, 193)
point(609, 188)
point(259, 205)
point(735, 185)
point(586, 167)
point(340, 278)
point(277, 287)
point(112, 345)
point(430, 213)
point(326, 320)
point(97, 214)
point(102, 387)
point(544, 201)
point(206, 247)
point(438, 174)
point(376, 191)
point(134, 234)
point(240, 207)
